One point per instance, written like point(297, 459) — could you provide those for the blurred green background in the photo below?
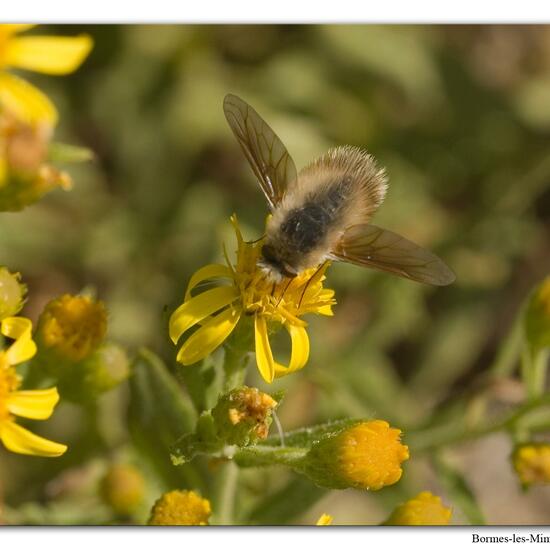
point(459, 116)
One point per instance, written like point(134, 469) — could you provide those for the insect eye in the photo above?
point(289, 271)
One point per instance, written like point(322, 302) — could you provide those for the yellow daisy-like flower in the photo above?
point(180, 508)
point(250, 292)
point(423, 509)
point(72, 326)
point(367, 455)
point(34, 404)
point(54, 55)
point(25, 173)
point(532, 463)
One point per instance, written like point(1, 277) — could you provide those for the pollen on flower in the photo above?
point(424, 509)
point(180, 508)
point(243, 416)
point(72, 326)
point(12, 293)
point(252, 292)
point(367, 455)
point(532, 463)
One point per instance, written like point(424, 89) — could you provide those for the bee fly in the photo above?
point(322, 212)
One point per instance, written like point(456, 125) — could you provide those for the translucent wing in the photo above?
point(265, 152)
point(371, 246)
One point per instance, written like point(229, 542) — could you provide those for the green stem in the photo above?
point(224, 498)
point(262, 455)
point(440, 436)
point(237, 354)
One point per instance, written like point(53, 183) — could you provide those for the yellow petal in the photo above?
point(14, 28)
point(264, 355)
point(35, 404)
point(209, 336)
point(300, 351)
point(3, 171)
point(210, 271)
point(325, 519)
point(19, 329)
point(15, 327)
point(198, 308)
point(48, 54)
point(25, 101)
point(20, 440)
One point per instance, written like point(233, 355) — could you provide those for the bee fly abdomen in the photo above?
point(307, 226)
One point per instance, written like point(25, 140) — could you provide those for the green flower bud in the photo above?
point(243, 416)
point(122, 489)
point(12, 293)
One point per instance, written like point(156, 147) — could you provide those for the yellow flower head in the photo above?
point(123, 489)
point(35, 404)
point(25, 174)
point(180, 508)
point(367, 455)
point(325, 519)
point(72, 326)
point(423, 509)
point(243, 416)
point(55, 55)
point(532, 463)
point(12, 293)
point(250, 292)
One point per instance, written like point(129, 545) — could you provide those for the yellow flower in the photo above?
point(72, 326)
point(423, 509)
point(532, 463)
point(54, 55)
point(367, 455)
point(180, 508)
point(34, 404)
point(12, 293)
point(325, 519)
point(25, 174)
point(123, 489)
point(217, 311)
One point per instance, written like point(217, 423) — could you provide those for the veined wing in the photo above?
point(265, 152)
point(371, 246)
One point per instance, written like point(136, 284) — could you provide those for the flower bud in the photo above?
point(180, 508)
point(72, 327)
point(423, 509)
point(532, 463)
point(123, 489)
point(243, 416)
point(12, 293)
point(367, 455)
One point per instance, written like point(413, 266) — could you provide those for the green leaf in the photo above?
point(62, 153)
point(284, 506)
point(204, 381)
point(459, 491)
point(158, 413)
